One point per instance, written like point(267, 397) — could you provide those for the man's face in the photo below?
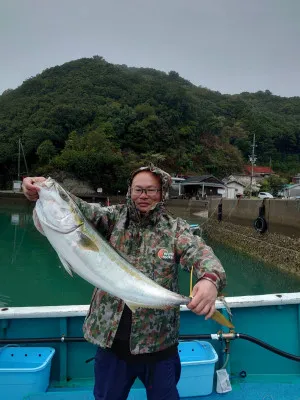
point(151, 183)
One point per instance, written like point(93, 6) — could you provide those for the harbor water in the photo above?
point(32, 275)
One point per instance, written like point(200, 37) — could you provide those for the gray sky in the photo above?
point(226, 45)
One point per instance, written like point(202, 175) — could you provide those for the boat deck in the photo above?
point(274, 320)
point(269, 388)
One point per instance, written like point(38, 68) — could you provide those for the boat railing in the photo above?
point(81, 310)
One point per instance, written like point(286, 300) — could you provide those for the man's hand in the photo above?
point(204, 298)
point(29, 189)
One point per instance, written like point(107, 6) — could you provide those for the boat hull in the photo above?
point(273, 319)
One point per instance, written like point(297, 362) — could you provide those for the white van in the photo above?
point(265, 195)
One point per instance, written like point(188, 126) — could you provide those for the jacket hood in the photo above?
point(165, 179)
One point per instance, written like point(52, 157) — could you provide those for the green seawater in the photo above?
point(31, 273)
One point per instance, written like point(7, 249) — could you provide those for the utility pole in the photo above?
point(19, 156)
point(25, 162)
point(252, 159)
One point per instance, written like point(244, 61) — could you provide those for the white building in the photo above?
point(234, 189)
point(291, 191)
point(175, 189)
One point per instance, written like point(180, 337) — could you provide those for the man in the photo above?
point(144, 344)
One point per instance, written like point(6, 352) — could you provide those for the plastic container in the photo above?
point(198, 361)
point(24, 370)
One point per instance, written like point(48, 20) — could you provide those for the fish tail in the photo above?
point(221, 319)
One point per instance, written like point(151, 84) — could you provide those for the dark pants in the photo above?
point(114, 377)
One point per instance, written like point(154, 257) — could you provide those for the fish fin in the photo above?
point(86, 243)
point(133, 306)
point(221, 319)
point(66, 265)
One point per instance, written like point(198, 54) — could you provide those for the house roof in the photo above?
point(235, 181)
point(208, 180)
point(291, 186)
point(258, 170)
point(197, 179)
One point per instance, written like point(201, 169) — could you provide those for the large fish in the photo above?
point(82, 249)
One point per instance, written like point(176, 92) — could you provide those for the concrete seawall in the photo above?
point(278, 245)
point(282, 216)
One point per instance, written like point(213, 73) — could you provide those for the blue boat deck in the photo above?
point(250, 388)
point(273, 319)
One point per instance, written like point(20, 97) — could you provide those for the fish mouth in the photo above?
point(47, 184)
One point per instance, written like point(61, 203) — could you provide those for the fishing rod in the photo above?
point(216, 336)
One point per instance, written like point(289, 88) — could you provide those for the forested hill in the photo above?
point(98, 120)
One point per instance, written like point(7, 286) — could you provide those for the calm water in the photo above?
point(31, 273)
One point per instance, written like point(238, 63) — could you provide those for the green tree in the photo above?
point(91, 156)
point(85, 103)
point(274, 184)
point(46, 151)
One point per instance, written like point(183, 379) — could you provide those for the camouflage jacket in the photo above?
point(157, 245)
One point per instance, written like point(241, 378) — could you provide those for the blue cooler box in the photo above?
point(24, 370)
point(198, 361)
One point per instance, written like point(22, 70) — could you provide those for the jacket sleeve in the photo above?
point(191, 250)
point(103, 218)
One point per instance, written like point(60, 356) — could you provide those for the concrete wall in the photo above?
point(279, 245)
point(282, 215)
point(186, 208)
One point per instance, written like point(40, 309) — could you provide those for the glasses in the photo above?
point(148, 192)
